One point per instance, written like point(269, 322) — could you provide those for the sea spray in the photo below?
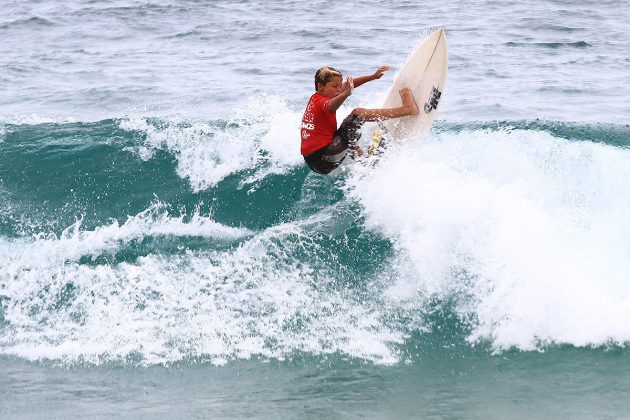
point(534, 222)
point(260, 138)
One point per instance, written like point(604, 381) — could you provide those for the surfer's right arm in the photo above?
point(346, 91)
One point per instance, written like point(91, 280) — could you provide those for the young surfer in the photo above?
point(324, 146)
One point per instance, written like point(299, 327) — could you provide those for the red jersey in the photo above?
point(318, 124)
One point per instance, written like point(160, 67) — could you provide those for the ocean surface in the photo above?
point(165, 252)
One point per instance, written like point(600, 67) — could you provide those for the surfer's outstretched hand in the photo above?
point(349, 86)
point(379, 71)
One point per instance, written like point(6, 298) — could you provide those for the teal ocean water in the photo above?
point(164, 251)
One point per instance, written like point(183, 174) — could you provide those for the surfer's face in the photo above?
point(325, 75)
point(332, 88)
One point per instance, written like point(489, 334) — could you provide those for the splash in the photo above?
point(526, 230)
point(251, 299)
point(260, 139)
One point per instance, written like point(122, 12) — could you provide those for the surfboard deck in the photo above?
point(425, 74)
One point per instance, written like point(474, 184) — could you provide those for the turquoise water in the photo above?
point(165, 251)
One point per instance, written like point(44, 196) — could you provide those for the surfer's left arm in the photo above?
point(359, 80)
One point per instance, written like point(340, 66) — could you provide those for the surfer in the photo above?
point(324, 146)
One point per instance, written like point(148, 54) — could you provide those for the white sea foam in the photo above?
point(261, 137)
point(530, 232)
point(74, 242)
point(250, 300)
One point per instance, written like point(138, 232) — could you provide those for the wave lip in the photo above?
point(75, 243)
point(261, 139)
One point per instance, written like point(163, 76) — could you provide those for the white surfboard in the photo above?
point(425, 74)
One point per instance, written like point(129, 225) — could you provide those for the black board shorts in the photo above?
point(329, 157)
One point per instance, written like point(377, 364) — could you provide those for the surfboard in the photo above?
point(425, 74)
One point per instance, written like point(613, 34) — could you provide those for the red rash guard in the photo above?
point(318, 124)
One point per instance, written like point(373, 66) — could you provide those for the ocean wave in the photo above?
point(516, 228)
point(552, 45)
point(33, 22)
point(252, 300)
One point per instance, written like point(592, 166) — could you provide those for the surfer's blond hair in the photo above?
point(325, 75)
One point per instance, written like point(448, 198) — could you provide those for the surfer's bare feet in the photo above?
point(408, 101)
point(356, 152)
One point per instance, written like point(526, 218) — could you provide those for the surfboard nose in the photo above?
point(425, 74)
point(442, 33)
